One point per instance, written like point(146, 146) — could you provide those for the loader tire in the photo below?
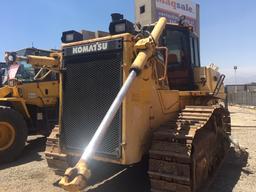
point(13, 134)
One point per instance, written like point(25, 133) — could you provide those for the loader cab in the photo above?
point(27, 73)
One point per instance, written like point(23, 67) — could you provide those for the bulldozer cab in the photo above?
point(183, 56)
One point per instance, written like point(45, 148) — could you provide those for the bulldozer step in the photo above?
point(55, 160)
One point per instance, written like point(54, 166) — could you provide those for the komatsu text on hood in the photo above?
point(90, 48)
point(93, 47)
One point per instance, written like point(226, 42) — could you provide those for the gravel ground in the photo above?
point(238, 170)
point(237, 173)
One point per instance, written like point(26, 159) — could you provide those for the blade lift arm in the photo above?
point(51, 63)
point(75, 179)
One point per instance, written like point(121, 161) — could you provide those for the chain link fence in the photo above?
point(242, 94)
point(242, 98)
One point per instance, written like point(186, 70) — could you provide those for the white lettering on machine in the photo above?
point(90, 48)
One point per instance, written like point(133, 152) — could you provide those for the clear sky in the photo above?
point(228, 28)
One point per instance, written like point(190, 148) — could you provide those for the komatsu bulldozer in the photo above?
point(28, 101)
point(154, 98)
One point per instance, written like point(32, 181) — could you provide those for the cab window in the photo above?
point(192, 51)
point(177, 45)
point(26, 72)
point(196, 48)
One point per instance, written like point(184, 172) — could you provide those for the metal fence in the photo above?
point(242, 98)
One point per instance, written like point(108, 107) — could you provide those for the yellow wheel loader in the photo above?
point(28, 102)
point(134, 94)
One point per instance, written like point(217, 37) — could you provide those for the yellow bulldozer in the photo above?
point(136, 93)
point(28, 101)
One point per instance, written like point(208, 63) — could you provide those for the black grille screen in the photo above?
point(90, 84)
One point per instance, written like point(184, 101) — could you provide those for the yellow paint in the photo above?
point(7, 135)
point(143, 109)
point(206, 79)
point(40, 94)
point(149, 103)
point(4, 91)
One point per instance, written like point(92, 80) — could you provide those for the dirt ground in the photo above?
point(237, 173)
point(238, 170)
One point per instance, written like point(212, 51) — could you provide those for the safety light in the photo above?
point(120, 25)
point(71, 36)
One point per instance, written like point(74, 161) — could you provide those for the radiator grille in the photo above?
point(90, 84)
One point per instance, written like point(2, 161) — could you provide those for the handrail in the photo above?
point(218, 86)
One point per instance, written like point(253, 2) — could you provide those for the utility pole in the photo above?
point(235, 68)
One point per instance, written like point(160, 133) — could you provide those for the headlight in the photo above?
point(120, 28)
point(120, 25)
point(71, 36)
